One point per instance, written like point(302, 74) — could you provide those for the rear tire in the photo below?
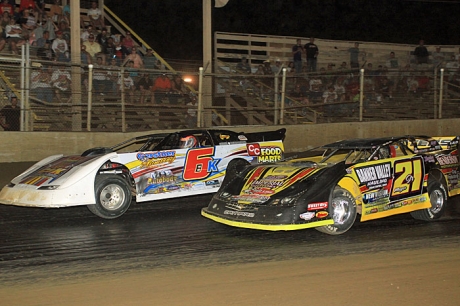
point(113, 197)
point(343, 211)
point(438, 198)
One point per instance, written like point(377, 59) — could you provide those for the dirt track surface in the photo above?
point(166, 254)
point(422, 277)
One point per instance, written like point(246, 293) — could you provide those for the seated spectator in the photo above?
point(102, 37)
point(384, 90)
point(86, 33)
point(127, 43)
point(85, 57)
point(144, 86)
point(178, 89)
point(93, 48)
point(135, 58)
point(299, 95)
point(61, 81)
point(60, 48)
point(343, 66)
point(276, 69)
point(452, 67)
point(41, 84)
point(392, 62)
point(316, 88)
point(10, 116)
point(150, 60)
point(109, 48)
point(43, 45)
point(14, 37)
point(438, 58)
point(95, 16)
point(5, 6)
point(133, 72)
point(56, 12)
point(330, 96)
point(243, 66)
point(112, 76)
point(126, 83)
point(28, 22)
point(161, 88)
point(99, 77)
point(412, 85)
point(339, 88)
point(25, 4)
point(423, 83)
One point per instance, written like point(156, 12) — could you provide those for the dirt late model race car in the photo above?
point(330, 185)
point(151, 167)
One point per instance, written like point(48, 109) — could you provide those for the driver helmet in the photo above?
point(188, 142)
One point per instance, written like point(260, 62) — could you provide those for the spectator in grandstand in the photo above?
point(354, 56)
point(89, 30)
point(149, 60)
point(61, 81)
point(93, 48)
point(127, 43)
point(133, 72)
point(99, 77)
point(85, 57)
point(339, 88)
point(421, 53)
point(412, 84)
point(343, 66)
point(102, 37)
point(384, 89)
point(161, 88)
point(312, 51)
point(392, 61)
point(178, 89)
point(25, 4)
point(423, 83)
point(192, 111)
point(43, 45)
point(452, 67)
point(41, 84)
point(5, 19)
point(28, 22)
point(40, 7)
point(60, 48)
point(299, 95)
point(5, 6)
point(316, 88)
point(95, 16)
point(14, 37)
point(144, 86)
point(297, 51)
point(113, 74)
point(138, 63)
point(10, 116)
point(277, 68)
point(243, 66)
point(438, 58)
point(267, 68)
point(126, 84)
point(109, 49)
point(290, 68)
point(64, 28)
point(56, 12)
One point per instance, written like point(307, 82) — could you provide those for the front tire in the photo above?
point(438, 198)
point(343, 210)
point(113, 196)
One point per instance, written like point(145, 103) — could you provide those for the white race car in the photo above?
point(150, 167)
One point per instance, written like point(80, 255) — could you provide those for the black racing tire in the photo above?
point(342, 209)
point(438, 198)
point(113, 196)
point(235, 167)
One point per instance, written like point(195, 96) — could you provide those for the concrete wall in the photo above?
point(33, 146)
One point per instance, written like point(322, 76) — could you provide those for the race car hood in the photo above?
point(59, 170)
point(259, 184)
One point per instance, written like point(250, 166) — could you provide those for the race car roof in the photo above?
point(369, 143)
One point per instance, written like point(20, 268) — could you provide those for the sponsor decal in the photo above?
point(259, 191)
point(447, 160)
point(321, 214)
point(375, 176)
point(172, 187)
point(212, 183)
point(263, 183)
point(374, 196)
point(429, 159)
point(307, 215)
point(251, 198)
point(317, 206)
point(264, 154)
point(242, 138)
point(239, 213)
point(150, 159)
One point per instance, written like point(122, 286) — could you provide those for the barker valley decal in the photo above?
point(374, 176)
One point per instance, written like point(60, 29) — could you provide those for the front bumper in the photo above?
point(31, 197)
point(242, 220)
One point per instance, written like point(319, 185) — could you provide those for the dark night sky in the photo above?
point(174, 27)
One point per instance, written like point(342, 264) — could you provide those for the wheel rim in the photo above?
point(437, 201)
point(112, 197)
point(341, 210)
